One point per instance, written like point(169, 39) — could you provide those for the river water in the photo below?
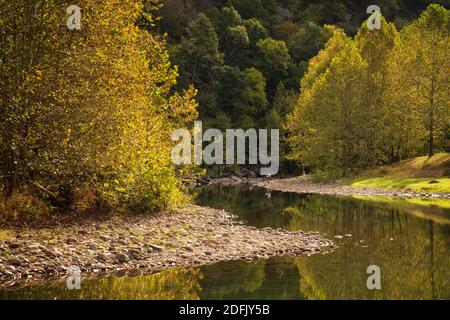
point(409, 243)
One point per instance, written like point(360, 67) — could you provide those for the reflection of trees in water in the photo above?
point(258, 209)
point(170, 284)
point(265, 279)
point(414, 264)
point(229, 280)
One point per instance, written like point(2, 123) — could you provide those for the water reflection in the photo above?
point(412, 251)
point(171, 284)
point(408, 242)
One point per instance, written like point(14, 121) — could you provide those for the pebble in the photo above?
point(102, 257)
point(14, 262)
point(14, 245)
point(71, 241)
point(156, 247)
point(121, 258)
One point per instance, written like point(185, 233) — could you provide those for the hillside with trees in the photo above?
point(114, 183)
point(375, 99)
point(246, 58)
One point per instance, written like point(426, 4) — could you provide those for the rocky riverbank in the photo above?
point(188, 237)
point(307, 186)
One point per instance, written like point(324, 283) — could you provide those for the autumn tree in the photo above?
point(335, 116)
point(386, 139)
point(373, 99)
point(424, 69)
point(91, 108)
point(297, 123)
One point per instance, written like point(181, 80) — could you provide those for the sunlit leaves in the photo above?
point(93, 107)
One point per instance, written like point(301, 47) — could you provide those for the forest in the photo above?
point(116, 181)
point(247, 57)
point(87, 114)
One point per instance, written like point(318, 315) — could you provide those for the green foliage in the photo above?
point(287, 40)
point(273, 60)
point(425, 52)
point(201, 62)
point(413, 184)
point(247, 102)
point(198, 53)
point(229, 18)
point(302, 40)
point(375, 99)
point(255, 31)
point(221, 43)
point(251, 8)
point(234, 44)
point(252, 100)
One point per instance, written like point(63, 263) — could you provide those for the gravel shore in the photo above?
point(306, 186)
point(187, 237)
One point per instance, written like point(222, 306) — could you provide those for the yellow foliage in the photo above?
point(110, 84)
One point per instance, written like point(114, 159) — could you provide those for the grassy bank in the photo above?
point(421, 174)
point(413, 184)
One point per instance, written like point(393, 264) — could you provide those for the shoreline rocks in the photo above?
point(304, 186)
point(187, 237)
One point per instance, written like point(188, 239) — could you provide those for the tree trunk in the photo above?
point(10, 172)
point(430, 143)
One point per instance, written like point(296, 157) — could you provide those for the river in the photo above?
point(409, 242)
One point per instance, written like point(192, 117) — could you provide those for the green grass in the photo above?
point(421, 174)
point(413, 184)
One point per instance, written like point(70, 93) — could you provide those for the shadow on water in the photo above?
point(408, 243)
